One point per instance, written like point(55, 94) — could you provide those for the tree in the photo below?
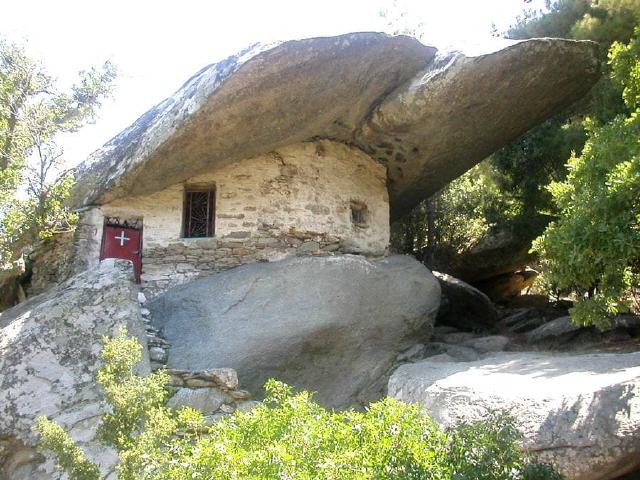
point(604, 21)
point(454, 219)
point(33, 113)
point(400, 21)
point(538, 157)
point(593, 250)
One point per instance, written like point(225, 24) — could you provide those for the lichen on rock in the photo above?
point(49, 355)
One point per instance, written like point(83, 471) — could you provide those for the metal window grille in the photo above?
point(199, 212)
point(357, 216)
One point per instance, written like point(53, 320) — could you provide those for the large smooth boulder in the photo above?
point(467, 307)
point(333, 325)
point(49, 355)
point(579, 412)
point(428, 116)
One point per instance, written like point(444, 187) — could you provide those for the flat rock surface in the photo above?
point(492, 343)
point(428, 116)
point(580, 412)
point(333, 325)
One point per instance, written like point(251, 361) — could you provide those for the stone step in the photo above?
point(157, 341)
point(158, 354)
point(156, 366)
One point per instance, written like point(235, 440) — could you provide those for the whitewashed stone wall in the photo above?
point(295, 201)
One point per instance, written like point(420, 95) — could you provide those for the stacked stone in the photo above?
point(167, 266)
point(158, 346)
point(213, 392)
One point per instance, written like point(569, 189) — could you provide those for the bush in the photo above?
point(593, 250)
point(288, 436)
point(438, 230)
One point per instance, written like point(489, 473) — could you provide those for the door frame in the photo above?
point(137, 265)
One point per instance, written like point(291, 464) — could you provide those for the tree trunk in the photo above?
point(431, 232)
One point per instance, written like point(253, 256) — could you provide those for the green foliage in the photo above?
point(462, 213)
point(625, 69)
point(526, 166)
point(538, 157)
point(26, 220)
point(33, 113)
point(70, 457)
point(287, 436)
point(132, 398)
point(593, 250)
point(468, 207)
point(603, 21)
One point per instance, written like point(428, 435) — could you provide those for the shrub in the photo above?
point(593, 250)
point(288, 436)
point(438, 230)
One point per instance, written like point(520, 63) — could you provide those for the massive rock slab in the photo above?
point(333, 325)
point(579, 412)
point(427, 115)
point(49, 355)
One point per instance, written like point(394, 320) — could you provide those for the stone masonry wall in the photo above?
point(295, 201)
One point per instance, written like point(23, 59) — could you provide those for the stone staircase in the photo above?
point(214, 392)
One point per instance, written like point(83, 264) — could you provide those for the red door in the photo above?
point(125, 243)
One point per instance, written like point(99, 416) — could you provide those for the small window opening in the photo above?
point(359, 214)
point(199, 212)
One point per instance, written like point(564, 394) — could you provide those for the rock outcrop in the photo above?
point(499, 252)
point(333, 325)
point(579, 412)
point(11, 289)
point(465, 307)
point(426, 115)
point(506, 287)
point(49, 354)
point(562, 334)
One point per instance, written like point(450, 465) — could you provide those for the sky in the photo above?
point(157, 45)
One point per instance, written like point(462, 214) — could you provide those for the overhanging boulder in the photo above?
point(333, 325)
point(428, 116)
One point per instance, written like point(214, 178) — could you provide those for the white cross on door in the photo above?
point(122, 238)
